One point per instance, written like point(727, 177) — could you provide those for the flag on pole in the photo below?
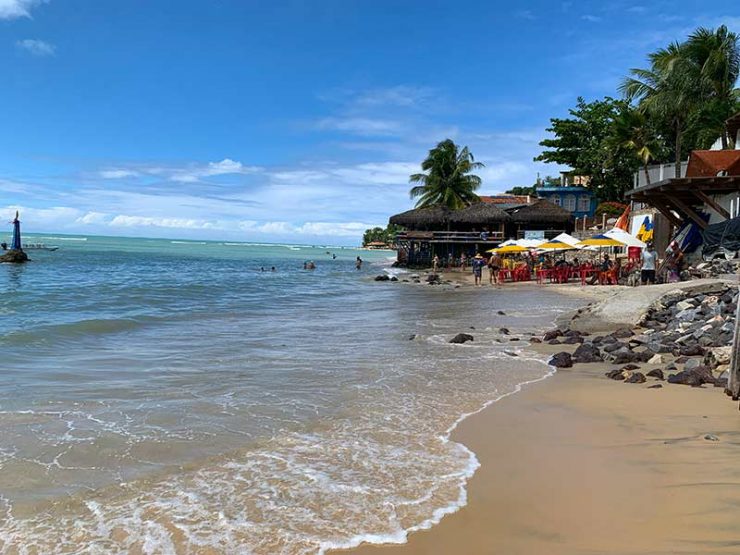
point(645, 233)
point(624, 220)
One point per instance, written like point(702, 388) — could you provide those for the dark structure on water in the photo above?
point(476, 228)
point(15, 253)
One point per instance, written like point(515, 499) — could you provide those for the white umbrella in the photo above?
point(569, 239)
point(624, 237)
point(530, 243)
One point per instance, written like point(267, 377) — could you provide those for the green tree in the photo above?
point(714, 60)
point(447, 180)
point(633, 132)
point(522, 190)
point(582, 142)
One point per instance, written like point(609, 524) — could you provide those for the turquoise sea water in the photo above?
point(163, 396)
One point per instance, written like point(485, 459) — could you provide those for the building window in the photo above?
point(584, 204)
point(570, 203)
point(555, 200)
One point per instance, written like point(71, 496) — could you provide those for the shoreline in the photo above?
point(593, 413)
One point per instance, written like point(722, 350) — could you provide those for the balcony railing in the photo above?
point(451, 236)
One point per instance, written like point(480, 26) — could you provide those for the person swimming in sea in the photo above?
point(358, 263)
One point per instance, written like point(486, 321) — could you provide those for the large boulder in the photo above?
point(587, 353)
point(14, 257)
point(636, 377)
point(552, 334)
point(462, 338)
point(693, 377)
point(561, 360)
point(656, 373)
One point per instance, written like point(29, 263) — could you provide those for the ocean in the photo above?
point(163, 396)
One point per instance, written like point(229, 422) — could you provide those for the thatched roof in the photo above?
point(541, 211)
point(480, 213)
point(432, 215)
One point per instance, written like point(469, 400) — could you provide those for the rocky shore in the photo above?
point(683, 337)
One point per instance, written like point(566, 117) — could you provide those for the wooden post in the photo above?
point(733, 385)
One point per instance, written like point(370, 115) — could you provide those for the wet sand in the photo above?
point(579, 464)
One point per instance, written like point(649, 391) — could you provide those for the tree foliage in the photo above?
point(380, 235)
point(521, 191)
point(446, 180)
point(584, 143)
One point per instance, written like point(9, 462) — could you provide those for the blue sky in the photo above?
point(293, 120)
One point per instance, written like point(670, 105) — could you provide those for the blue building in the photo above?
point(576, 199)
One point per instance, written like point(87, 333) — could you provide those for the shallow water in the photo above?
point(167, 396)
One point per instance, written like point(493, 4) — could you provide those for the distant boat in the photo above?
point(39, 247)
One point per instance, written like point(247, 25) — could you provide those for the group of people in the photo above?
point(605, 267)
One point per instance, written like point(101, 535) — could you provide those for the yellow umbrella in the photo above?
point(509, 249)
point(556, 245)
point(601, 241)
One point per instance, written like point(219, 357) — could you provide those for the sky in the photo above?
point(291, 121)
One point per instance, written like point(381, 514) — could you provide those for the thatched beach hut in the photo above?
point(540, 217)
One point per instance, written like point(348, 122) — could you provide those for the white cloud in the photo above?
point(117, 174)
point(591, 18)
point(361, 126)
point(36, 47)
point(12, 9)
point(93, 218)
point(142, 221)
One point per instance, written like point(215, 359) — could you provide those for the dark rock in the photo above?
point(433, 278)
point(561, 360)
point(693, 377)
point(573, 340)
point(615, 375)
point(721, 382)
point(611, 347)
point(383, 277)
point(504, 331)
point(623, 333)
point(629, 367)
point(655, 386)
point(394, 278)
point(554, 342)
point(511, 354)
point(657, 347)
point(514, 339)
point(535, 340)
point(656, 373)
point(412, 337)
point(711, 437)
point(501, 313)
point(573, 333)
point(587, 353)
point(14, 257)
point(691, 350)
point(552, 334)
point(636, 377)
point(462, 338)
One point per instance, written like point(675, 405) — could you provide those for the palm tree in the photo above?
point(668, 91)
point(632, 131)
point(714, 56)
point(446, 181)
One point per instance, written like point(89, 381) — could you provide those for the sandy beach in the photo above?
point(579, 464)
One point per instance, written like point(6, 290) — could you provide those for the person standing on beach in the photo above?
point(649, 259)
point(494, 266)
point(435, 264)
point(478, 263)
point(463, 260)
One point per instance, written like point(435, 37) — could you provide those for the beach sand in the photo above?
point(582, 465)
point(579, 464)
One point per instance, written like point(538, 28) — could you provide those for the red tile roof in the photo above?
point(710, 163)
point(505, 199)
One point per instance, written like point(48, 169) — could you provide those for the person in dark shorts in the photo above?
point(494, 266)
point(649, 260)
point(478, 263)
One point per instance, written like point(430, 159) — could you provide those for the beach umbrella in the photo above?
point(624, 237)
point(556, 245)
point(601, 240)
point(509, 249)
point(565, 238)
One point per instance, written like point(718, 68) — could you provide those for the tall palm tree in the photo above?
point(447, 180)
point(632, 131)
point(714, 55)
point(668, 91)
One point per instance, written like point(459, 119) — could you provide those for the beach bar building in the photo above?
point(476, 228)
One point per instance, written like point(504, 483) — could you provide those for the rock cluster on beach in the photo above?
point(690, 333)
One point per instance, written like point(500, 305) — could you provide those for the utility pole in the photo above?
point(733, 385)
